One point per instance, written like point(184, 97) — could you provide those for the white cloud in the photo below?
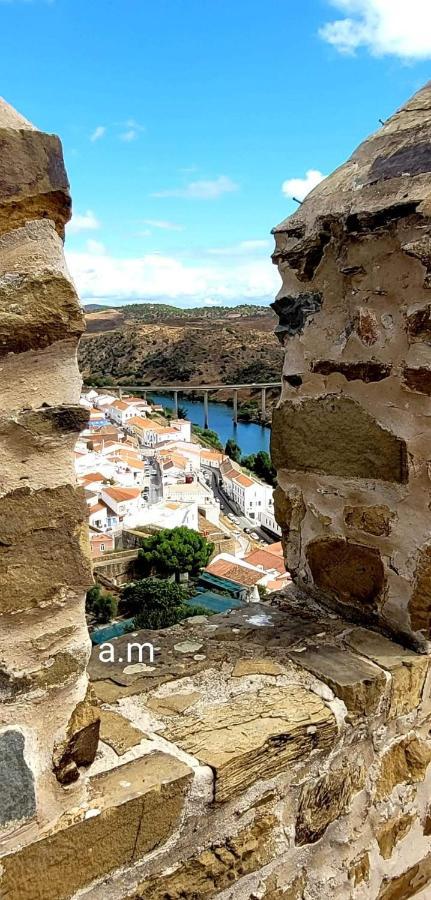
point(243, 248)
point(83, 222)
point(300, 187)
point(133, 128)
point(95, 247)
point(103, 277)
point(395, 27)
point(208, 189)
point(162, 224)
point(98, 133)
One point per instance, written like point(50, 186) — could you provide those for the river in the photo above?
point(250, 437)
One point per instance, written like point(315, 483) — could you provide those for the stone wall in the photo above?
point(44, 558)
point(350, 436)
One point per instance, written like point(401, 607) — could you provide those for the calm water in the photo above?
point(250, 437)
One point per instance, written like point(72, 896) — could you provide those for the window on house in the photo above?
point(102, 547)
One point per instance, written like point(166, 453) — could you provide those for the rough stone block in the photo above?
point(17, 793)
point(360, 684)
point(408, 670)
point(33, 181)
point(389, 833)
point(118, 733)
point(216, 868)
point(359, 870)
point(346, 572)
point(420, 601)
point(325, 800)
point(257, 736)
point(335, 436)
point(407, 885)
point(138, 805)
point(79, 746)
point(42, 544)
point(405, 762)
point(371, 519)
point(38, 302)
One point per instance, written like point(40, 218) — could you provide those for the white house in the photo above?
point(267, 520)
point(121, 411)
point(248, 493)
point(125, 502)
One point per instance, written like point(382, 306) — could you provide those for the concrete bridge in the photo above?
point(205, 389)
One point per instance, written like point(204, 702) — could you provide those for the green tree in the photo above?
point(101, 604)
point(174, 551)
point(182, 412)
point(263, 467)
point(155, 603)
point(209, 438)
point(233, 450)
point(260, 463)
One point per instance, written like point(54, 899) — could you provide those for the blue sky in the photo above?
point(182, 120)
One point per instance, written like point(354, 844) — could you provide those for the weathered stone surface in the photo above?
point(421, 250)
point(17, 792)
point(256, 666)
point(408, 670)
point(371, 519)
point(367, 371)
point(420, 601)
point(289, 511)
point(335, 436)
point(216, 868)
point(325, 800)
point(295, 890)
point(256, 736)
point(409, 883)
point(172, 704)
point(33, 181)
point(366, 326)
point(41, 546)
point(79, 747)
point(419, 323)
point(139, 805)
point(347, 572)
point(359, 870)
point(359, 683)
point(418, 379)
point(38, 302)
point(294, 312)
point(389, 833)
point(405, 762)
point(116, 731)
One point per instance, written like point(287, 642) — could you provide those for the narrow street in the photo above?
point(231, 507)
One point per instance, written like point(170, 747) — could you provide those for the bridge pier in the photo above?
point(263, 403)
point(235, 407)
point(176, 404)
point(206, 417)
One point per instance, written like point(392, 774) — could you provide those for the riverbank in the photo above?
point(250, 436)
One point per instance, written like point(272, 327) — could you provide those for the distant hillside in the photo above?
point(156, 343)
point(105, 318)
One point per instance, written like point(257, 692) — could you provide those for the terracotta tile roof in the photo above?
point(90, 477)
point(225, 569)
point(102, 538)
point(146, 424)
point(243, 480)
point(119, 493)
point(265, 559)
point(212, 454)
point(98, 507)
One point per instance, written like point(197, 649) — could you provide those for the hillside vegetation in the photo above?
point(157, 343)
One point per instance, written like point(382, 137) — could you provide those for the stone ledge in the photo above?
point(133, 809)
